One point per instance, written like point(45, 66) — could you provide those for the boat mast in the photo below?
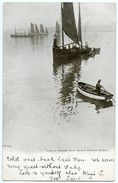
point(15, 30)
point(62, 25)
point(79, 27)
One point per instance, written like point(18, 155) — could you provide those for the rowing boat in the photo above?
point(90, 91)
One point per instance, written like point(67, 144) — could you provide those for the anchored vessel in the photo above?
point(76, 48)
point(46, 31)
point(34, 31)
point(20, 34)
point(42, 31)
point(57, 30)
point(57, 33)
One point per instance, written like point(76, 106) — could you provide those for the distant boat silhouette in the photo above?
point(36, 29)
point(42, 31)
point(57, 34)
point(34, 32)
point(20, 34)
point(46, 30)
point(57, 31)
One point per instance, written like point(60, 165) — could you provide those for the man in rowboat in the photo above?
point(99, 86)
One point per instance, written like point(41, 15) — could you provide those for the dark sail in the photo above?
point(46, 31)
point(68, 21)
point(36, 28)
point(79, 27)
point(32, 28)
point(57, 33)
point(41, 28)
point(67, 52)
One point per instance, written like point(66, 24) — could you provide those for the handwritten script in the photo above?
point(58, 166)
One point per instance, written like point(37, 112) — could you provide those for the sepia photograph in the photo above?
point(59, 83)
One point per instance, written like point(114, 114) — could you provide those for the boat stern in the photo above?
point(109, 97)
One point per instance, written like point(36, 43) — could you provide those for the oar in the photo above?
point(104, 89)
point(111, 98)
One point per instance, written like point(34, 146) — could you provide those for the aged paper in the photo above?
point(59, 91)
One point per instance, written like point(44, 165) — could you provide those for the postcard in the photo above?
point(59, 82)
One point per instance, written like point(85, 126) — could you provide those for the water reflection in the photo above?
point(69, 99)
point(66, 77)
point(34, 40)
point(19, 40)
point(37, 42)
point(98, 104)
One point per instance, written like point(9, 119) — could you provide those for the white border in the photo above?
point(1, 65)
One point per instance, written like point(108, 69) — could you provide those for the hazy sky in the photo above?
point(21, 14)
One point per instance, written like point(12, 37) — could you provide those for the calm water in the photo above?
point(42, 108)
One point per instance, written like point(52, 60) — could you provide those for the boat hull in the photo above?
point(19, 36)
point(63, 54)
point(59, 53)
point(91, 95)
point(90, 92)
point(34, 35)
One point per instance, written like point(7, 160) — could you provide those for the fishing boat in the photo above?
point(69, 29)
point(36, 29)
point(20, 34)
point(34, 32)
point(57, 29)
point(57, 33)
point(46, 30)
point(42, 31)
point(90, 91)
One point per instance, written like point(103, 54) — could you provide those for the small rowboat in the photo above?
point(90, 91)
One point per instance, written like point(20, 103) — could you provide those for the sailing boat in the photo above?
point(57, 34)
point(76, 48)
point(36, 29)
point(33, 30)
point(46, 30)
point(57, 31)
point(21, 34)
point(42, 32)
